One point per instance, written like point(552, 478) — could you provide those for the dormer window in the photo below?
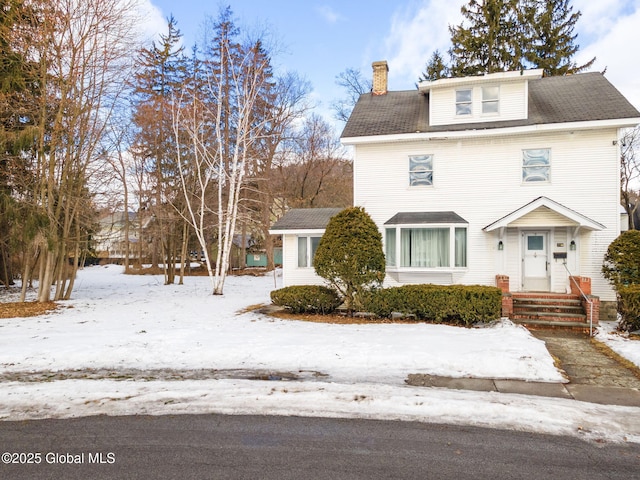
point(463, 101)
point(490, 100)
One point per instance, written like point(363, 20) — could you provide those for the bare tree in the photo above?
point(315, 171)
point(354, 84)
point(221, 165)
point(630, 174)
point(82, 47)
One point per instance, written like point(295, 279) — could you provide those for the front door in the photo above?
point(535, 261)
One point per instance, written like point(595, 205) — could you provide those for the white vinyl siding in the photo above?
point(480, 179)
point(445, 108)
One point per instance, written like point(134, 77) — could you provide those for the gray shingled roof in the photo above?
point(418, 218)
point(572, 98)
point(305, 219)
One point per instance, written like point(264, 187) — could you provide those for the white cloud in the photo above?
point(329, 14)
point(416, 32)
point(153, 22)
point(608, 30)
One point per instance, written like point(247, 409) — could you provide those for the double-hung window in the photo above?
point(536, 165)
point(490, 100)
point(464, 101)
point(420, 170)
point(307, 246)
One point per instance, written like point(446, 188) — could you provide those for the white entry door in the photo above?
point(535, 262)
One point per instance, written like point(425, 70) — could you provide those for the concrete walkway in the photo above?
point(592, 376)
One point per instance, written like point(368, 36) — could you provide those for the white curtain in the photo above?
point(425, 247)
point(302, 252)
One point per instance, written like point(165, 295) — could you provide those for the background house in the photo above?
point(509, 177)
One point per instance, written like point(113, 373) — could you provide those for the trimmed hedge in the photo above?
point(307, 299)
point(629, 308)
point(457, 304)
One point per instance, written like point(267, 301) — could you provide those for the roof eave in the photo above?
point(485, 131)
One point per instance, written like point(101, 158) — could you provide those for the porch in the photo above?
point(578, 310)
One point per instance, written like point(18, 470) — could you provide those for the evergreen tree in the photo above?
point(549, 26)
point(19, 92)
point(436, 68)
point(350, 255)
point(501, 35)
point(489, 42)
point(161, 72)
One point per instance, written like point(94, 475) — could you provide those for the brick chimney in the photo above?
point(380, 70)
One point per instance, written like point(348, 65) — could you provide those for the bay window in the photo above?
point(426, 244)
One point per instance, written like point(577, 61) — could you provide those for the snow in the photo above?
point(136, 325)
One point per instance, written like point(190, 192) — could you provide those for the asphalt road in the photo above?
point(255, 447)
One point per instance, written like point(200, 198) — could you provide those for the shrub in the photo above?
point(350, 255)
point(457, 304)
point(622, 261)
point(307, 299)
point(629, 308)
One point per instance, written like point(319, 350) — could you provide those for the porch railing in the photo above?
point(587, 299)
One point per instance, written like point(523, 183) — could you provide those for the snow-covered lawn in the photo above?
point(117, 322)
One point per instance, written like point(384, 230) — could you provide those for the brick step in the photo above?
point(549, 317)
point(555, 308)
point(578, 326)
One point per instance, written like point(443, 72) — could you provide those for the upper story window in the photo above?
point(490, 100)
point(463, 101)
point(307, 247)
point(536, 165)
point(420, 170)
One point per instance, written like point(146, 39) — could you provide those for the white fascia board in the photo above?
point(492, 132)
point(520, 75)
point(582, 220)
point(316, 231)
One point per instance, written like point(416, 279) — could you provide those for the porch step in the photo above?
point(549, 309)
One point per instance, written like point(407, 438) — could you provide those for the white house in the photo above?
point(507, 179)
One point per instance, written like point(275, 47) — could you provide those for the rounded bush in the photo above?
point(622, 260)
point(307, 299)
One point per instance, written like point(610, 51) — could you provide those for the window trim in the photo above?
point(523, 168)
point(310, 251)
point(460, 103)
point(486, 101)
point(417, 171)
point(395, 264)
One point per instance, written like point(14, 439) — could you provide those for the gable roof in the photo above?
point(304, 219)
point(571, 215)
point(572, 98)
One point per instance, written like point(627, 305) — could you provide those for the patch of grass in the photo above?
point(605, 350)
point(26, 309)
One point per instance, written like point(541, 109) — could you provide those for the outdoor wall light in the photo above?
point(500, 245)
point(572, 245)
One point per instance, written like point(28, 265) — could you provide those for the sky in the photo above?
point(128, 344)
point(321, 38)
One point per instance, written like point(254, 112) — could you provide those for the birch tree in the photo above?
point(216, 131)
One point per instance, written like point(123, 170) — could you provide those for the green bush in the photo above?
point(457, 304)
point(622, 261)
point(307, 299)
point(350, 256)
point(629, 308)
